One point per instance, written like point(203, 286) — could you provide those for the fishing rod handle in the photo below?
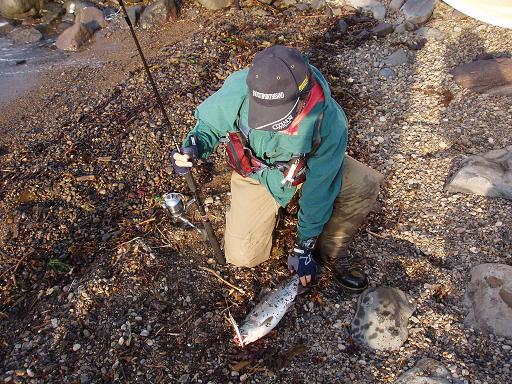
point(210, 234)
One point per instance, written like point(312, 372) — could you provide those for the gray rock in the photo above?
point(216, 4)
point(387, 73)
point(395, 5)
point(73, 38)
point(489, 175)
point(5, 27)
point(134, 12)
point(430, 33)
point(381, 318)
point(61, 27)
point(92, 17)
point(74, 7)
point(284, 3)
point(418, 11)
point(328, 36)
point(362, 3)
point(25, 35)
point(84, 378)
point(301, 6)
point(342, 26)
point(382, 29)
point(397, 58)
point(317, 4)
point(426, 371)
point(20, 9)
point(489, 299)
point(405, 26)
point(158, 13)
point(52, 12)
point(378, 12)
point(109, 13)
point(493, 76)
point(363, 35)
point(401, 28)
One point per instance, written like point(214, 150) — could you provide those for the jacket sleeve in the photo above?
point(323, 177)
point(207, 138)
point(218, 114)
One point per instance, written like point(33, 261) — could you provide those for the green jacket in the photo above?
point(228, 107)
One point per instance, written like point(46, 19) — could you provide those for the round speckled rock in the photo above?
point(426, 371)
point(381, 318)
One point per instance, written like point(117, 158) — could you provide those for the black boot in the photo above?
point(349, 273)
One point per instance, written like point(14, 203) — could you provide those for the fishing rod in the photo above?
point(217, 252)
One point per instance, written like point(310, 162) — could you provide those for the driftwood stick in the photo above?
point(223, 280)
point(376, 234)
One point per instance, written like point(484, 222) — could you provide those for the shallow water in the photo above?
point(20, 64)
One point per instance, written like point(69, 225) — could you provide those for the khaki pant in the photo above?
point(251, 218)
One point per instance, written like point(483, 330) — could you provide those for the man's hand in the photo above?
point(301, 260)
point(182, 162)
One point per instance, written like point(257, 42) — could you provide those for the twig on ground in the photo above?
point(146, 221)
point(165, 237)
point(312, 16)
point(129, 241)
point(183, 323)
point(223, 280)
point(376, 234)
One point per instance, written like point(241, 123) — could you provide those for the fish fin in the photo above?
point(267, 321)
point(237, 329)
point(289, 308)
point(302, 289)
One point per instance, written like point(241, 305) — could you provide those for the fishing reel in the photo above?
point(177, 209)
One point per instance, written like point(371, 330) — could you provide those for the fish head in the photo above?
point(251, 331)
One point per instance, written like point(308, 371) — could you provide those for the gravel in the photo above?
point(97, 117)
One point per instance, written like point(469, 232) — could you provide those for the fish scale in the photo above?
point(267, 313)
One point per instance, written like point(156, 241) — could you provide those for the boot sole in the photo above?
point(350, 289)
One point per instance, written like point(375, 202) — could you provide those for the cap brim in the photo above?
point(275, 118)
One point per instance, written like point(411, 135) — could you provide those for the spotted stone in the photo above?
point(381, 318)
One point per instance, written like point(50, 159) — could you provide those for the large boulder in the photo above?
point(418, 12)
point(158, 13)
point(215, 5)
point(25, 35)
point(381, 318)
point(426, 371)
point(20, 9)
point(491, 76)
point(489, 299)
point(489, 174)
point(92, 17)
point(73, 38)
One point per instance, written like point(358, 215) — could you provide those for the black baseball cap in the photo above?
point(279, 76)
